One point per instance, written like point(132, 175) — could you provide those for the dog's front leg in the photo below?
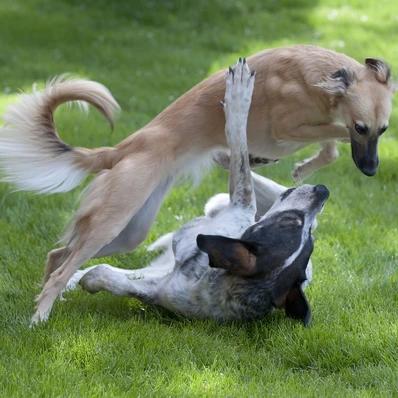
point(238, 95)
point(325, 133)
point(328, 154)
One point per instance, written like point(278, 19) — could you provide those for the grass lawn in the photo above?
point(148, 52)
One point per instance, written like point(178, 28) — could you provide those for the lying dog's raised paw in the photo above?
point(239, 88)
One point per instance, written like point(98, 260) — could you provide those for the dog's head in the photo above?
point(363, 100)
point(279, 243)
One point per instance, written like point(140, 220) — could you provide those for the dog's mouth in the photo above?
point(366, 166)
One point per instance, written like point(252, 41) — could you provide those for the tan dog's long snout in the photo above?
point(365, 156)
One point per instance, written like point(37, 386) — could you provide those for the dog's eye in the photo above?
point(383, 129)
point(286, 193)
point(361, 129)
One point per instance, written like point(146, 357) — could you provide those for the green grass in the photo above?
point(148, 53)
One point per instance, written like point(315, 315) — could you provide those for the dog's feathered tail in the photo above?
point(32, 155)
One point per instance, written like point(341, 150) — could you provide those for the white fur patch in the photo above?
point(31, 169)
point(290, 260)
point(162, 243)
point(216, 203)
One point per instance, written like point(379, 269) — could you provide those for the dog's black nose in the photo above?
point(321, 191)
point(368, 166)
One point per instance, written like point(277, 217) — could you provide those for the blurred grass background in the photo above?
point(148, 53)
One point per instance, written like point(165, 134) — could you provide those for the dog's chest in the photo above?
point(263, 145)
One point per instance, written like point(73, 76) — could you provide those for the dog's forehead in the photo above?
point(292, 199)
point(268, 220)
point(267, 229)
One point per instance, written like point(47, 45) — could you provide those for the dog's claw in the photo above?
point(38, 318)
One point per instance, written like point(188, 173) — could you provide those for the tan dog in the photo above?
point(302, 95)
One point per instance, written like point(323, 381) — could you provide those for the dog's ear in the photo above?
point(338, 82)
point(380, 68)
point(233, 255)
point(287, 292)
point(296, 305)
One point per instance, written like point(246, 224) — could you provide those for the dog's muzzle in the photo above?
point(365, 156)
point(368, 166)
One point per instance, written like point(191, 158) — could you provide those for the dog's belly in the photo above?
point(214, 294)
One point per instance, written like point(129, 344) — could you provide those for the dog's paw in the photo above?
point(93, 280)
point(216, 204)
point(38, 318)
point(162, 243)
point(238, 92)
point(300, 172)
point(74, 281)
point(222, 159)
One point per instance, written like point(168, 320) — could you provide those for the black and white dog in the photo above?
point(225, 265)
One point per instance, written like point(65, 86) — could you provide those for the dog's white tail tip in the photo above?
point(32, 155)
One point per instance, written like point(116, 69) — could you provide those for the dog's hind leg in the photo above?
point(160, 266)
point(128, 239)
point(110, 202)
point(137, 228)
point(54, 259)
point(120, 283)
